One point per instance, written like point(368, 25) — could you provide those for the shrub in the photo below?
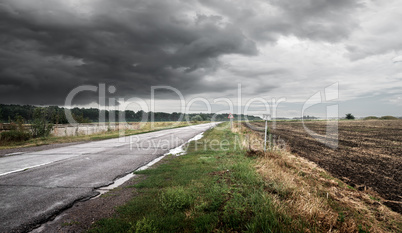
point(371, 118)
point(17, 132)
point(41, 127)
point(388, 118)
point(196, 118)
point(15, 136)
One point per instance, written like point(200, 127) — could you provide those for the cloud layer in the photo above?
point(49, 48)
point(204, 48)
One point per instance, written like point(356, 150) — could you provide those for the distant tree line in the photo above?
point(56, 115)
point(308, 117)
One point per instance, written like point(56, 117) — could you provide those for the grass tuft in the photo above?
point(175, 199)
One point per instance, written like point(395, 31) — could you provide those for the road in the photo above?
point(37, 186)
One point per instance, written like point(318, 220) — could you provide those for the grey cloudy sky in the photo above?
point(204, 48)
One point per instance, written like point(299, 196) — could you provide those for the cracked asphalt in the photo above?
point(36, 186)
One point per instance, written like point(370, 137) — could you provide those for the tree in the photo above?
point(79, 118)
point(196, 118)
point(41, 126)
point(349, 116)
point(20, 123)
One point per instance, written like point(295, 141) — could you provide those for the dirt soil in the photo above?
point(369, 153)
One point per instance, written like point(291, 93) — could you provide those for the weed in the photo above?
point(143, 226)
point(14, 136)
point(341, 217)
point(175, 198)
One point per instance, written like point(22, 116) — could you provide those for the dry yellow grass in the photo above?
point(304, 191)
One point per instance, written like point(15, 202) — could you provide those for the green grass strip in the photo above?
point(211, 189)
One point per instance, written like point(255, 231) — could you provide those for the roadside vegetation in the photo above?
point(226, 183)
point(19, 133)
point(25, 126)
point(19, 136)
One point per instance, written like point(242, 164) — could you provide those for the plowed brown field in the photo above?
point(369, 154)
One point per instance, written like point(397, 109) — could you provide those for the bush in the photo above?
point(371, 118)
point(41, 128)
point(14, 136)
point(388, 118)
point(17, 132)
point(40, 125)
point(196, 118)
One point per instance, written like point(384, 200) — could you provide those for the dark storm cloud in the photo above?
point(323, 20)
point(48, 49)
point(259, 72)
point(326, 20)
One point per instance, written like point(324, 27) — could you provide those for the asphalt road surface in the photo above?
point(37, 186)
